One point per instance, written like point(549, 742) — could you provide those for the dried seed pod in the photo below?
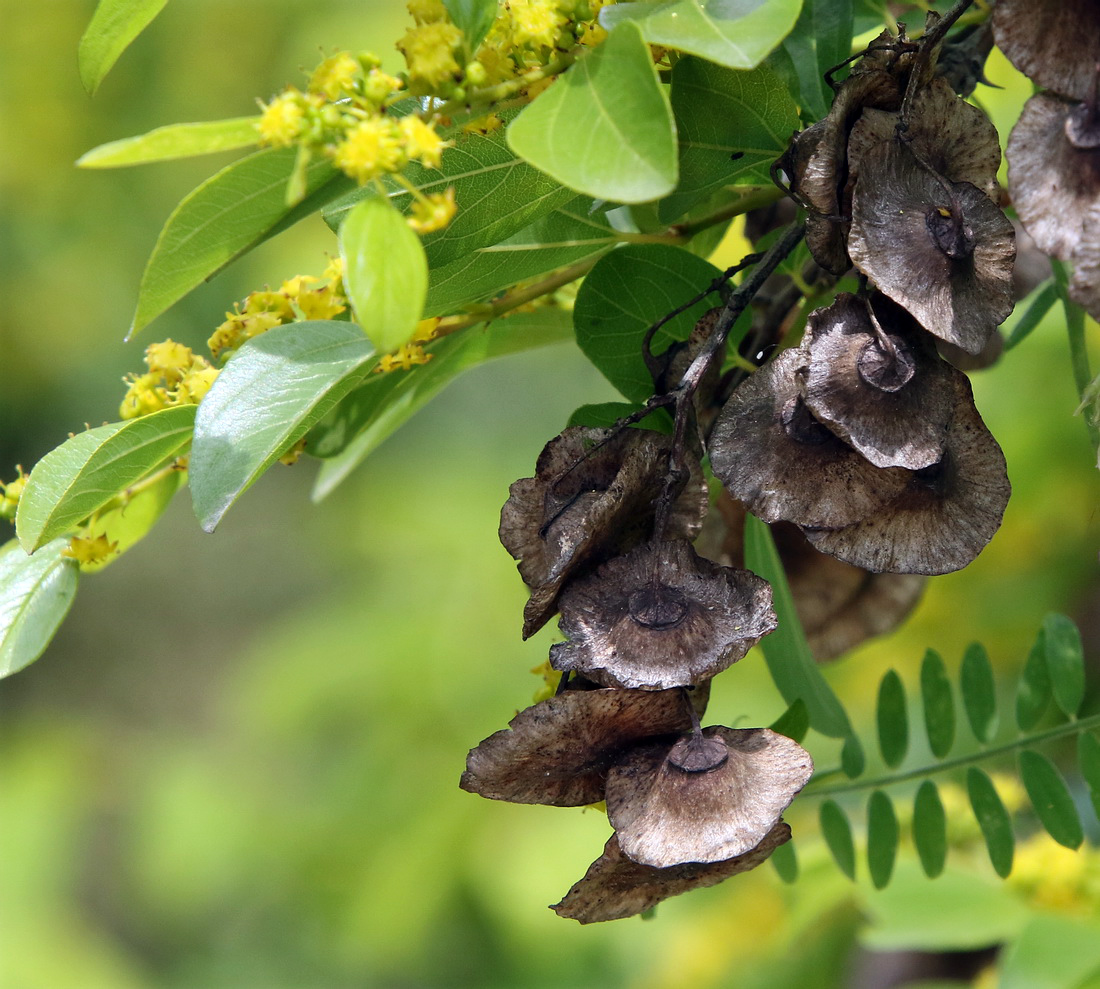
point(1055, 43)
point(947, 513)
point(1084, 286)
point(882, 389)
point(773, 456)
point(661, 617)
point(558, 751)
point(941, 249)
point(707, 798)
point(592, 497)
point(615, 887)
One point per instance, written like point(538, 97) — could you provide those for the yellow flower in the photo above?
point(10, 493)
point(550, 680)
point(371, 148)
point(380, 86)
point(427, 11)
point(429, 52)
point(237, 328)
point(404, 358)
point(425, 330)
point(268, 301)
point(145, 394)
point(421, 141)
point(335, 77)
point(89, 549)
point(292, 456)
point(483, 125)
point(282, 119)
point(195, 384)
point(321, 303)
point(535, 22)
point(432, 213)
point(168, 359)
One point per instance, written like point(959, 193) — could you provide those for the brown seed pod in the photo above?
point(707, 798)
point(781, 463)
point(941, 249)
point(947, 513)
point(1055, 43)
point(557, 752)
point(661, 617)
point(615, 887)
point(1084, 286)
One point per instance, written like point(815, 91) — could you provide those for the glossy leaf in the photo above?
point(35, 595)
point(1033, 692)
point(604, 127)
point(734, 33)
point(563, 237)
point(930, 829)
point(853, 760)
point(385, 273)
point(1088, 760)
point(174, 141)
point(91, 468)
point(114, 25)
point(1052, 952)
point(882, 838)
point(374, 410)
point(128, 524)
point(979, 691)
point(473, 18)
point(1050, 798)
point(992, 818)
point(789, 660)
point(893, 719)
point(939, 705)
point(785, 861)
point(624, 294)
point(271, 392)
point(1042, 302)
point(821, 39)
point(730, 125)
point(1065, 662)
point(226, 216)
point(837, 833)
point(794, 722)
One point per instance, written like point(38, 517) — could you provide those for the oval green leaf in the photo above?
point(90, 469)
point(1065, 662)
point(271, 392)
point(624, 294)
point(385, 272)
point(1088, 759)
point(35, 595)
point(174, 141)
point(882, 838)
point(853, 760)
point(930, 829)
point(837, 833)
point(979, 691)
point(604, 127)
point(893, 719)
point(1033, 691)
point(821, 40)
point(785, 861)
point(473, 18)
point(225, 217)
point(939, 705)
point(789, 660)
point(1050, 798)
point(113, 26)
point(734, 33)
point(992, 818)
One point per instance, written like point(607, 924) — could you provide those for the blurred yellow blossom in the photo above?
point(403, 359)
point(89, 549)
point(421, 141)
point(429, 51)
point(1055, 877)
point(432, 212)
point(282, 119)
point(335, 76)
point(371, 148)
point(11, 492)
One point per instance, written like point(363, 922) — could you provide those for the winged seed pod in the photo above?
point(1055, 43)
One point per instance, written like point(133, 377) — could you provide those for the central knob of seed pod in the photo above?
point(657, 607)
point(696, 753)
point(950, 233)
point(884, 370)
point(800, 425)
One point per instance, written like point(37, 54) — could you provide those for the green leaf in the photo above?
point(1065, 662)
point(624, 294)
point(939, 706)
point(735, 33)
point(385, 272)
point(1045, 297)
point(91, 468)
point(602, 415)
point(569, 234)
point(473, 18)
point(785, 862)
point(604, 127)
point(495, 192)
point(789, 660)
point(128, 524)
point(226, 216)
point(852, 758)
point(372, 412)
point(893, 719)
point(930, 829)
point(113, 26)
point(174, 141)
point(992, 818)
point(1052, 952)
point(979, 691)
point(1088, 759)
point(1050, 798)
point(794, 722)
point(35, 595)
point(1034, 691)
point(722, 113)
point(837, 833)
point(268, 396)
point(882, 838)
point(821, 39)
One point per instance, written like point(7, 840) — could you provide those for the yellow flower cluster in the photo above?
point(89, 549)
point(10, 493)
point(407, 356)
point(176, 376)
point(1055, 877)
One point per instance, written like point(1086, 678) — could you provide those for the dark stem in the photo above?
point(922, 63)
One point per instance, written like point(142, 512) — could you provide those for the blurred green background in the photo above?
point(237, 764)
